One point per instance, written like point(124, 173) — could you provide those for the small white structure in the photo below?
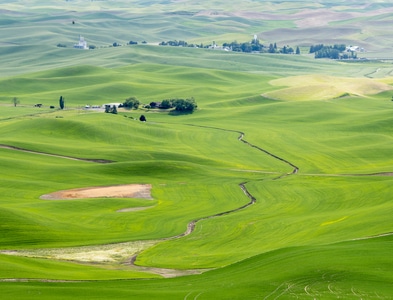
point(354, 49)
point(82, 44)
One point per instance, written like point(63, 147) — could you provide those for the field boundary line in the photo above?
point(99, 161)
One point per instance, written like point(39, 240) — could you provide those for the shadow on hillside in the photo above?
point(179, 113)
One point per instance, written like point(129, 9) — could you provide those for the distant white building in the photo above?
point(82, 44)
point(354, 49)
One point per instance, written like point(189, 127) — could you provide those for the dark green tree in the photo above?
point(165, 104)
point(297, 50)
point(142, 118)
point(61, 102)
point(15, 101)
point(271, 49)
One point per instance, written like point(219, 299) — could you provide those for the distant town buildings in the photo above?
point(82, 44)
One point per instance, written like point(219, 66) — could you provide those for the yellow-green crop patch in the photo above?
point(277, 186)
point(316, 87)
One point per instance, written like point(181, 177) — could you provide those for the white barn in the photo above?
point(82, 44)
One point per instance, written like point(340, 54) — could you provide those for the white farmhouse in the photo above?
point(82, 44)
point(354, 49)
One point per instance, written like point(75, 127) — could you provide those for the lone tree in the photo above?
point(142, 118)
point(61, 102)
point(15, 101)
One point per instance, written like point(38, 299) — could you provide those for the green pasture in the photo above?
point(195, 163)
point(284, 172)
point(347, 270)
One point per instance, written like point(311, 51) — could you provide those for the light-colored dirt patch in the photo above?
point(89, 254)
point(116, 191)
point(110, 254)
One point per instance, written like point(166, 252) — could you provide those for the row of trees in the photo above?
point(318, 47)
point(252, 46)
point(337, 51)
point(175, 43)
point(179, 104)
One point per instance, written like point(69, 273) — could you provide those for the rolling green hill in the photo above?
point(277, 187)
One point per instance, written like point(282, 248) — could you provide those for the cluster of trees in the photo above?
point(131, 103)
point(116, 44)
point(176, 43)
point(285, 50)
point(316, 48)
point(252, 46)
point(256, 46)
point(179, 104)
point(336, 51)
point(182, 105)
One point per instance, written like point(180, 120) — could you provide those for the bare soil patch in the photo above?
point(117, 191)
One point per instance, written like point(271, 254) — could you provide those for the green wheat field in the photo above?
point(278, 186)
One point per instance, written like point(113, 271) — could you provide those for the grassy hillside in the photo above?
point(278, 186)
point(350, 270)
point(195, 163)
point(32, 30)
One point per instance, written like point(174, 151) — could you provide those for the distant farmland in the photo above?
point(277, 186)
